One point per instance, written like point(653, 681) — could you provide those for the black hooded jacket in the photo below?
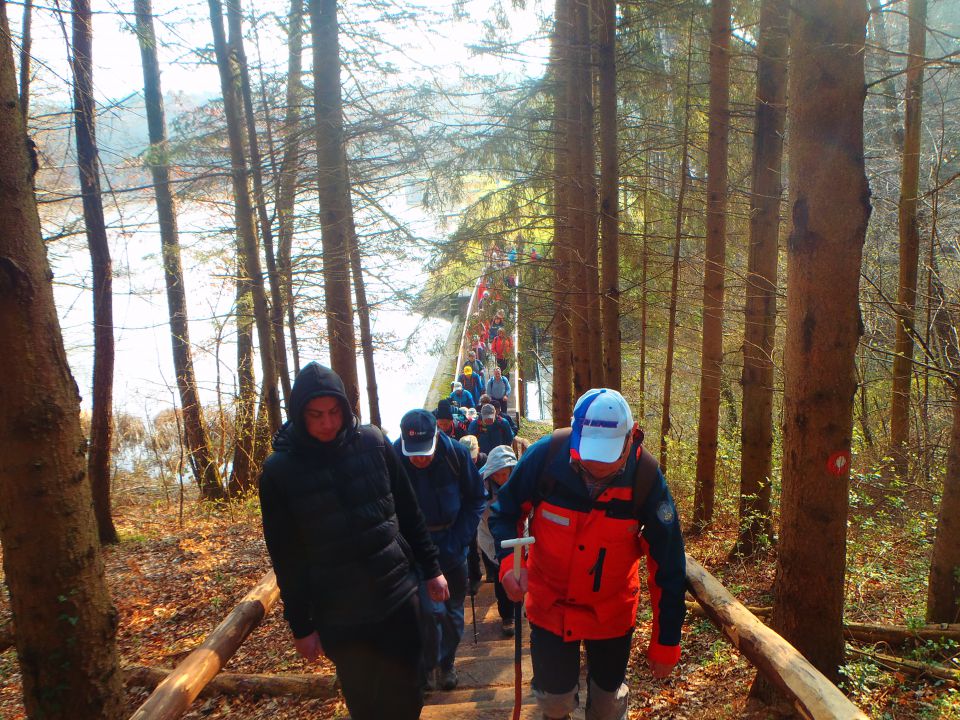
point(340, 519)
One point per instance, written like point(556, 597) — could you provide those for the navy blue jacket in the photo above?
point(489, 436)
point(450, 494)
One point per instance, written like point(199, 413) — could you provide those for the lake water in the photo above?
point(144, 378)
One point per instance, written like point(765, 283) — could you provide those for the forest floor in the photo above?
point(174, 577)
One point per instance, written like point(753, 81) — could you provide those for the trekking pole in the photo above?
point(517, 545)
point(473, 614)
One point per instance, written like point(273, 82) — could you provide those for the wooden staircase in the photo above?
point(486, 669)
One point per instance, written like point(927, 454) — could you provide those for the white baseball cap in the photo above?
point(601, 423)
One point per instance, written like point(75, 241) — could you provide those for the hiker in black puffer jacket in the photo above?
point(347, 540)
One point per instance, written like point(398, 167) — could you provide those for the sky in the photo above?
point(442, 44)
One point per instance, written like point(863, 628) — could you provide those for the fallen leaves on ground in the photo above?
point(172, 584)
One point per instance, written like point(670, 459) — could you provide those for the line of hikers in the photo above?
point(375, 546)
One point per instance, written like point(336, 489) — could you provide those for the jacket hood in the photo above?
point(497, 459)
point(313, 381)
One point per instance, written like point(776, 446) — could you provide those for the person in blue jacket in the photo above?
point(581, 576)
point(490, 430)
point(461, 398)
point(498, 388)
point(451, 496)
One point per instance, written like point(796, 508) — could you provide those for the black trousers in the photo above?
point(379, 664)
point(505, 605)
point(556, 663)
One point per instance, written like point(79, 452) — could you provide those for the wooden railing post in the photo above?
point(181, 687)
point(812, 694)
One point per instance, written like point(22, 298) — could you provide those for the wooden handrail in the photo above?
point(181, 687)
point(813, 695)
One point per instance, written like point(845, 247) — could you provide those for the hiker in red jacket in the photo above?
point(594, 516)
point(502, 348)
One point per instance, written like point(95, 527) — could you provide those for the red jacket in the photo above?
point(583, 569)
point(501, 347)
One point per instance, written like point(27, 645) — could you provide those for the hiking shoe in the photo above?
point(506, 627)
point(430, 684)
point(449, 679)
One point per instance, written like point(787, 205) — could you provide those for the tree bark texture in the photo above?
point(26, 47)
point(711, 355)
point(573, 60)
point(363, 316)
point(227, 58)
point(760, 312)
point(830, 207)
point(52, 561)
point(943, 588)
point(289, 165)
point(909, 240)
point(588, 168)
point(609, 196)
point(88, 164)
point(242, 470)
point(202, 462)
point(562, 401)
point(336, 218)
point(675, 271)
point(235, 29)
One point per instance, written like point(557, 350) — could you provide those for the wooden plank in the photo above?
point(812, 694)
point(901, 634)
point(868, 632)
point(310, 686)
point(181, 687)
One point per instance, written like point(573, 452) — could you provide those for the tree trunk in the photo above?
point(52, 560)
point(579, 314)
point(943, 588)
point(609, 196)
point(711, 356)
point(644, 276)
point(88, 164)
point(245, 407)
point(363, 315)
point(26, 46)
point(289, 165)
point(588, 181)
point(336, 218)
point(675, 274)
point(562, 402)
point(246, 233)
point(235, 25)
point(889, 89)
point(830, 207)
point(205, 469)
point(760, 313)
point(909, 241)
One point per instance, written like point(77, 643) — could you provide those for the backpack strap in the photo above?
point(547, 481)
point(645, 475)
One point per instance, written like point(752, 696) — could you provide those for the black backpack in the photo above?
point(645, 473)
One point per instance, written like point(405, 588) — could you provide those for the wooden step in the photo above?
point(478, 711)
